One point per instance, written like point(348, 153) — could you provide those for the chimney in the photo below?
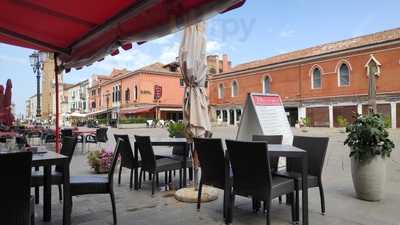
point(225, 63)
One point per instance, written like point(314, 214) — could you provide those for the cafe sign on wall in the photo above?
point(157, 92)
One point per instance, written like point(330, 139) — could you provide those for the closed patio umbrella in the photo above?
point(193, 62)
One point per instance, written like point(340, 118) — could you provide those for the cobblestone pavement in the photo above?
point(139, 207)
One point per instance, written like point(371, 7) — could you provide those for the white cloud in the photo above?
point(287, 33)
point(169, 53)
point(213, 47)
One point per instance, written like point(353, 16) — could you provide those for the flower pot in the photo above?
point(101, 170)
point(369, 178)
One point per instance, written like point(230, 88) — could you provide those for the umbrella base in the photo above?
point(189, 194)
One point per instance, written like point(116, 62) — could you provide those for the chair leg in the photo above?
point(229, 218)
point(199, 195)
point(293, 210)
point(153, 183)
point(140, 178)
point(131, 180)
point(119, 174)
point(190, 174)
point(60, 192)
point(166, 180)
point(113, 207)
point(37, 195)
point(297, 204)
point(180, 178)
point(322, 196)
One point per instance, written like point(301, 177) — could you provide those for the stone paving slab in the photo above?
point(139, 207)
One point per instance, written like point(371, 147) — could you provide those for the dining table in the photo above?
point(170, 142)
point(47, 159)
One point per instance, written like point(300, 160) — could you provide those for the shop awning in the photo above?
point(99, 112)
point(82, 32)
point(137, 110)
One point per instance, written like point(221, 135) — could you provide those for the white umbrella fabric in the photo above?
point(193, 62)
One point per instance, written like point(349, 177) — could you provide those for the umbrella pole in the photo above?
point(57, 105)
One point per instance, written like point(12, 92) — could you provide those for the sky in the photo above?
point(257, 30)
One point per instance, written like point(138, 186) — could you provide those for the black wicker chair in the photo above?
point(67, 149)
point(83, 185)
point(16, 203)
point(316, 150)
point(252, 176)
point(100, 137)
point(270, 139)
point(49, 136)
point(128, 160)
point(213, 165)
point(153, 166)
point(66, 132)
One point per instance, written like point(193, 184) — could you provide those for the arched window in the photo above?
point(136, 92)
point(127, 94)
point(235, 90)
point(344, 75)
point(220, 91)
point(266, 84)
point(316, 78)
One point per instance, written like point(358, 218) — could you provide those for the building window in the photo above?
point(266, 84)
point(234, 91)
point(127, 94)
point(220, 91)
point(93, 105)
point(316, 78)
point(93, 92)
point(206, 84)
point(344, 75)
point(136, 93)
point(182, 82)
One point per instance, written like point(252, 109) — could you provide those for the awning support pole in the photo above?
point(57, 104)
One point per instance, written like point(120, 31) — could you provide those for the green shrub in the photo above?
point(387, 121)
point(306, 121)
point(131, 120)
point(102, 120)
point(175, 129)
point(341, 121)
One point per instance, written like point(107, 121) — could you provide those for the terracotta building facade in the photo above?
point(154, 91)
point(324, 84)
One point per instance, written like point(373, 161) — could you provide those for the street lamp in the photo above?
point(37, 59)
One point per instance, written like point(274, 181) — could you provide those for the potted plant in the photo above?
point(100, 160)
point(342, 122)
point(370, 146)
point(176, 129)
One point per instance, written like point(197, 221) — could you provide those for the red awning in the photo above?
point(138, 110)
point(82, 32)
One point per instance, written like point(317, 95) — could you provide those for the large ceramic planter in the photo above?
point(369, 178)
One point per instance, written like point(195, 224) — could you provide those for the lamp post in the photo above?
point(36, 60)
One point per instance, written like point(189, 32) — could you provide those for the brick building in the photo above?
point(132, 93)
point(321, 83)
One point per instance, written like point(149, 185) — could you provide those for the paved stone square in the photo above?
point(139, 207)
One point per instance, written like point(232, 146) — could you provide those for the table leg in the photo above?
point(136, 184)
point(67, 203)
point(304, 198)
point(83, 143)
point(47, 193)
point(187, 149)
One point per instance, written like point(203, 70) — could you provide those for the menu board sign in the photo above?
point(264, 114)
